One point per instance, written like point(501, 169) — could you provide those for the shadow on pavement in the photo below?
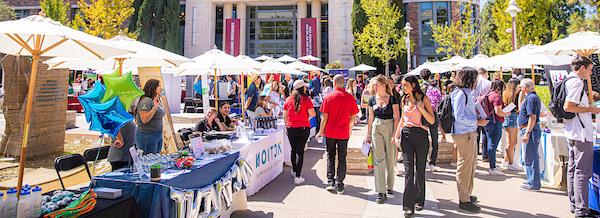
point(485, 210)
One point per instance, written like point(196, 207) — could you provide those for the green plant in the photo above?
point(155, 166)
point(334, 65)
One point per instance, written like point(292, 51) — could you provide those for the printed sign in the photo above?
point(265, 156)
point(232, 36)
point(308, 36)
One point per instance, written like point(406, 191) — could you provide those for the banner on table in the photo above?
point(343, 72)
point(308, 31)
point(265, 158)
point(232, 36)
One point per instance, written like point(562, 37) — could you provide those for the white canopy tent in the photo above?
point(298, 65)
point(249, 61)
point(286, 58)
point(309, 58)
point(434, 67)
point(362, 67)
point(272, 66)
point(263, 58)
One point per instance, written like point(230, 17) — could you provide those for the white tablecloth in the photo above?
point(553, 145)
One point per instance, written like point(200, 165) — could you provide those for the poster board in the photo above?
point(169, 141)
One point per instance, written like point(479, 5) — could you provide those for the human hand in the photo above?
point(118, 144)
point(421, 105)
point(525, 138)
point(155, 101)
point(595, 110)
point(368, 139)
point(394, 141)
point(482, 122)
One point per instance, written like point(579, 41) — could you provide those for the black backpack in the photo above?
point(559, 96)
point(445, 113)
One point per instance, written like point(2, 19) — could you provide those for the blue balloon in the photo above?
point(109, 117)
point(93, 96)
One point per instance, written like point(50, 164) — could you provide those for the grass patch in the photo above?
point(544, 94)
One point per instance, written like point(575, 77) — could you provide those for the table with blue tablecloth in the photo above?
point(167, 197)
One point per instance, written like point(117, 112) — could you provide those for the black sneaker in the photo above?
point(340, 189)
point(381, 198)
point(390, 192)
point(473, 198)
point(330, 187)
point(469, 206)
point(418, 207)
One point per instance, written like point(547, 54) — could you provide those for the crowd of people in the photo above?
point(405, 114)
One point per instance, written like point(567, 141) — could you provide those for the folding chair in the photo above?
point(69, 162)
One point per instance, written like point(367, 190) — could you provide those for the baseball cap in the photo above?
point(299, 84)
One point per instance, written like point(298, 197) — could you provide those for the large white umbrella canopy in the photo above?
point(527, 56)
point(309, 58)
point(298, 65)
point(480, 61)
point(272, 66)
point(434, 67)
point(145, 56)
point(263, 58)
point(580, 43)
point(362, 67)
point(39, 36)
point(213, 61)
point(249, 61)
point(286, 58)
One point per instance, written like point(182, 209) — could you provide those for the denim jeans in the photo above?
point(494, 134)
point(532, 157)
point(149, 142)
point(433, 132)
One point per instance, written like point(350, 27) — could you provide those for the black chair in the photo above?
point(95, 154)
point(69, 162)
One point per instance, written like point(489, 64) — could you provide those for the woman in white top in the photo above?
point(275, 96)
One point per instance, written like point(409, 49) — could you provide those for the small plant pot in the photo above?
point(155, 174)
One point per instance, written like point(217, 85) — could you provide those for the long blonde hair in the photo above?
point(350, 85)
point(511, 92)
point(383, 80)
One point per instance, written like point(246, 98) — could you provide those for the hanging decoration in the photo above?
point(93, 96)
point(123, 87)
point(108, 117)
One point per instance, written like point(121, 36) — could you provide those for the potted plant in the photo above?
point(155, 172)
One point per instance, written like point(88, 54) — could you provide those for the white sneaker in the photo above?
point(432, 168)
point(495, 172)
point(453, 164)
point(504, 165)
point(515, 167)
point(298, 180)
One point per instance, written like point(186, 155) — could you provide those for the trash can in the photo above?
point(594, 183)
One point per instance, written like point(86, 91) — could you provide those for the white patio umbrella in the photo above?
point(249, 61)
point(309, 58)
point(581, 43)
point(455, 62)
point(39, 36)
point(263, 58)
point(480, 61)
point(526, 57)
point(272, 66)
point(286, 58)
point(362, 67)
point(434, 67)
point(145, 56)
point(299, 65)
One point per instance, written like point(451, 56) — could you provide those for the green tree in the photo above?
point(145, 21)
point(359, 21)
point(57, 10)
point(158, 24)
point(6, 12)
point(488, 29)
point(458, 38)
point(104, 18)
point(134, 18)
point(171, 27)
point(380, 38)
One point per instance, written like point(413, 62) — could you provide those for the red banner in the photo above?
point(232, 37)
point(308, 36)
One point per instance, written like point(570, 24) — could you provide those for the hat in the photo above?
point(299, 84)
point(253, 77)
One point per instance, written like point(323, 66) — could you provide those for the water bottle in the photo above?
point(36, 202)
point(10, 205)
point(24, 206)
point(1, 202)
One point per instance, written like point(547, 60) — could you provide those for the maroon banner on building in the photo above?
point(308, 36)
point(232, 36)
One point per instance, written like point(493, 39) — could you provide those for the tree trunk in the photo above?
point(387, 68)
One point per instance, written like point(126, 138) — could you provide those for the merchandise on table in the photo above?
point(217, 146)
point(77, 206)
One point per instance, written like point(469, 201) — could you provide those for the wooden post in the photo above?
point(120, 62)
point(243, 98)
point(216, 91)
point(533, 73)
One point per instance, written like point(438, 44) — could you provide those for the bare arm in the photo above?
point(428, 112)
point(324, 117)
point(352, 119)
point(499, 112)
point(285, 117)
point(370, 123)
point(312, 113)
point(574, 108)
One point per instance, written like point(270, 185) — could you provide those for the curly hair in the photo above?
point(466, 78)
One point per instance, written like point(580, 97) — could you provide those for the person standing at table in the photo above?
point(252, 93)
point(339, 112)
point(384, 114)
point(232, 88)
point(464, 133)
point(529, 125)
point(149, 118)
point(580, 136)
point(118, 154)
point(296, 112)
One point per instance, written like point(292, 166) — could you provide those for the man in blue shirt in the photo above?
point(528, 121)
point(252, 93)
point(315, 85)
point(464, 133)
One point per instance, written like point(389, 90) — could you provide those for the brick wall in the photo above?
point(412, 14)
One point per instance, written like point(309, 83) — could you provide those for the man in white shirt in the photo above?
point(580, 136)
point(482, 88)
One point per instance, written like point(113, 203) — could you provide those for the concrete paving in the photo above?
point(499, 196)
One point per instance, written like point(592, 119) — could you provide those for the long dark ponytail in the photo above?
point(417, 92)
point(298, 94)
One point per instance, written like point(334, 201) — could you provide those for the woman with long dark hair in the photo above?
point(413, 131)
point(494, 128)
point(149, 115)
point(298, 108)
point(384, 114)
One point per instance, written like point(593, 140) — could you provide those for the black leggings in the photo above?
point(298, 138)
point(415, 145)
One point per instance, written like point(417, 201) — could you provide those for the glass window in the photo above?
point(441, 12)
point(219, 28)
point(324, 34)
point(272, 31)
point(426, 20)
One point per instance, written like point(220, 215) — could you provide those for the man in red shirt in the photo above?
point(339, 111)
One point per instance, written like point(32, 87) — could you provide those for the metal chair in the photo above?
point(95, 154)
point(69, 162)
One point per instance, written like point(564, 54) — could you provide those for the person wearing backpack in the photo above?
point(464, 133)
point(492, 105)
point(579, 131)
point(435, 96)
point(479, 92)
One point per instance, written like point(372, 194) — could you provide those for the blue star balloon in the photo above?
point(93, 96)
point(109, 117)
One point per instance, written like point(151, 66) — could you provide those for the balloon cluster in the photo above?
point(106, 105)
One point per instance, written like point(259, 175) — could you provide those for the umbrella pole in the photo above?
point(533, 73)
point(216, 92)
point(243, 99)
point(28, 109)
point(120, 61)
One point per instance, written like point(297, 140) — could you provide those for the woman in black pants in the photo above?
point(296, 111)
point(417, 115)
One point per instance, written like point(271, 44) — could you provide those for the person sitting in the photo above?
point(262, 110)
point(223, 116)
point(210, 123)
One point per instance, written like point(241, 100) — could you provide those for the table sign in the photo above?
point(136, 160)
point(197, 146)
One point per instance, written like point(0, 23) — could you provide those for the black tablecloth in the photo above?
point(125, 206)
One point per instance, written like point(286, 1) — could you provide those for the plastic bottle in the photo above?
point(36, 202)
point(24, 208)
point(1, 202)
point(10, 205)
